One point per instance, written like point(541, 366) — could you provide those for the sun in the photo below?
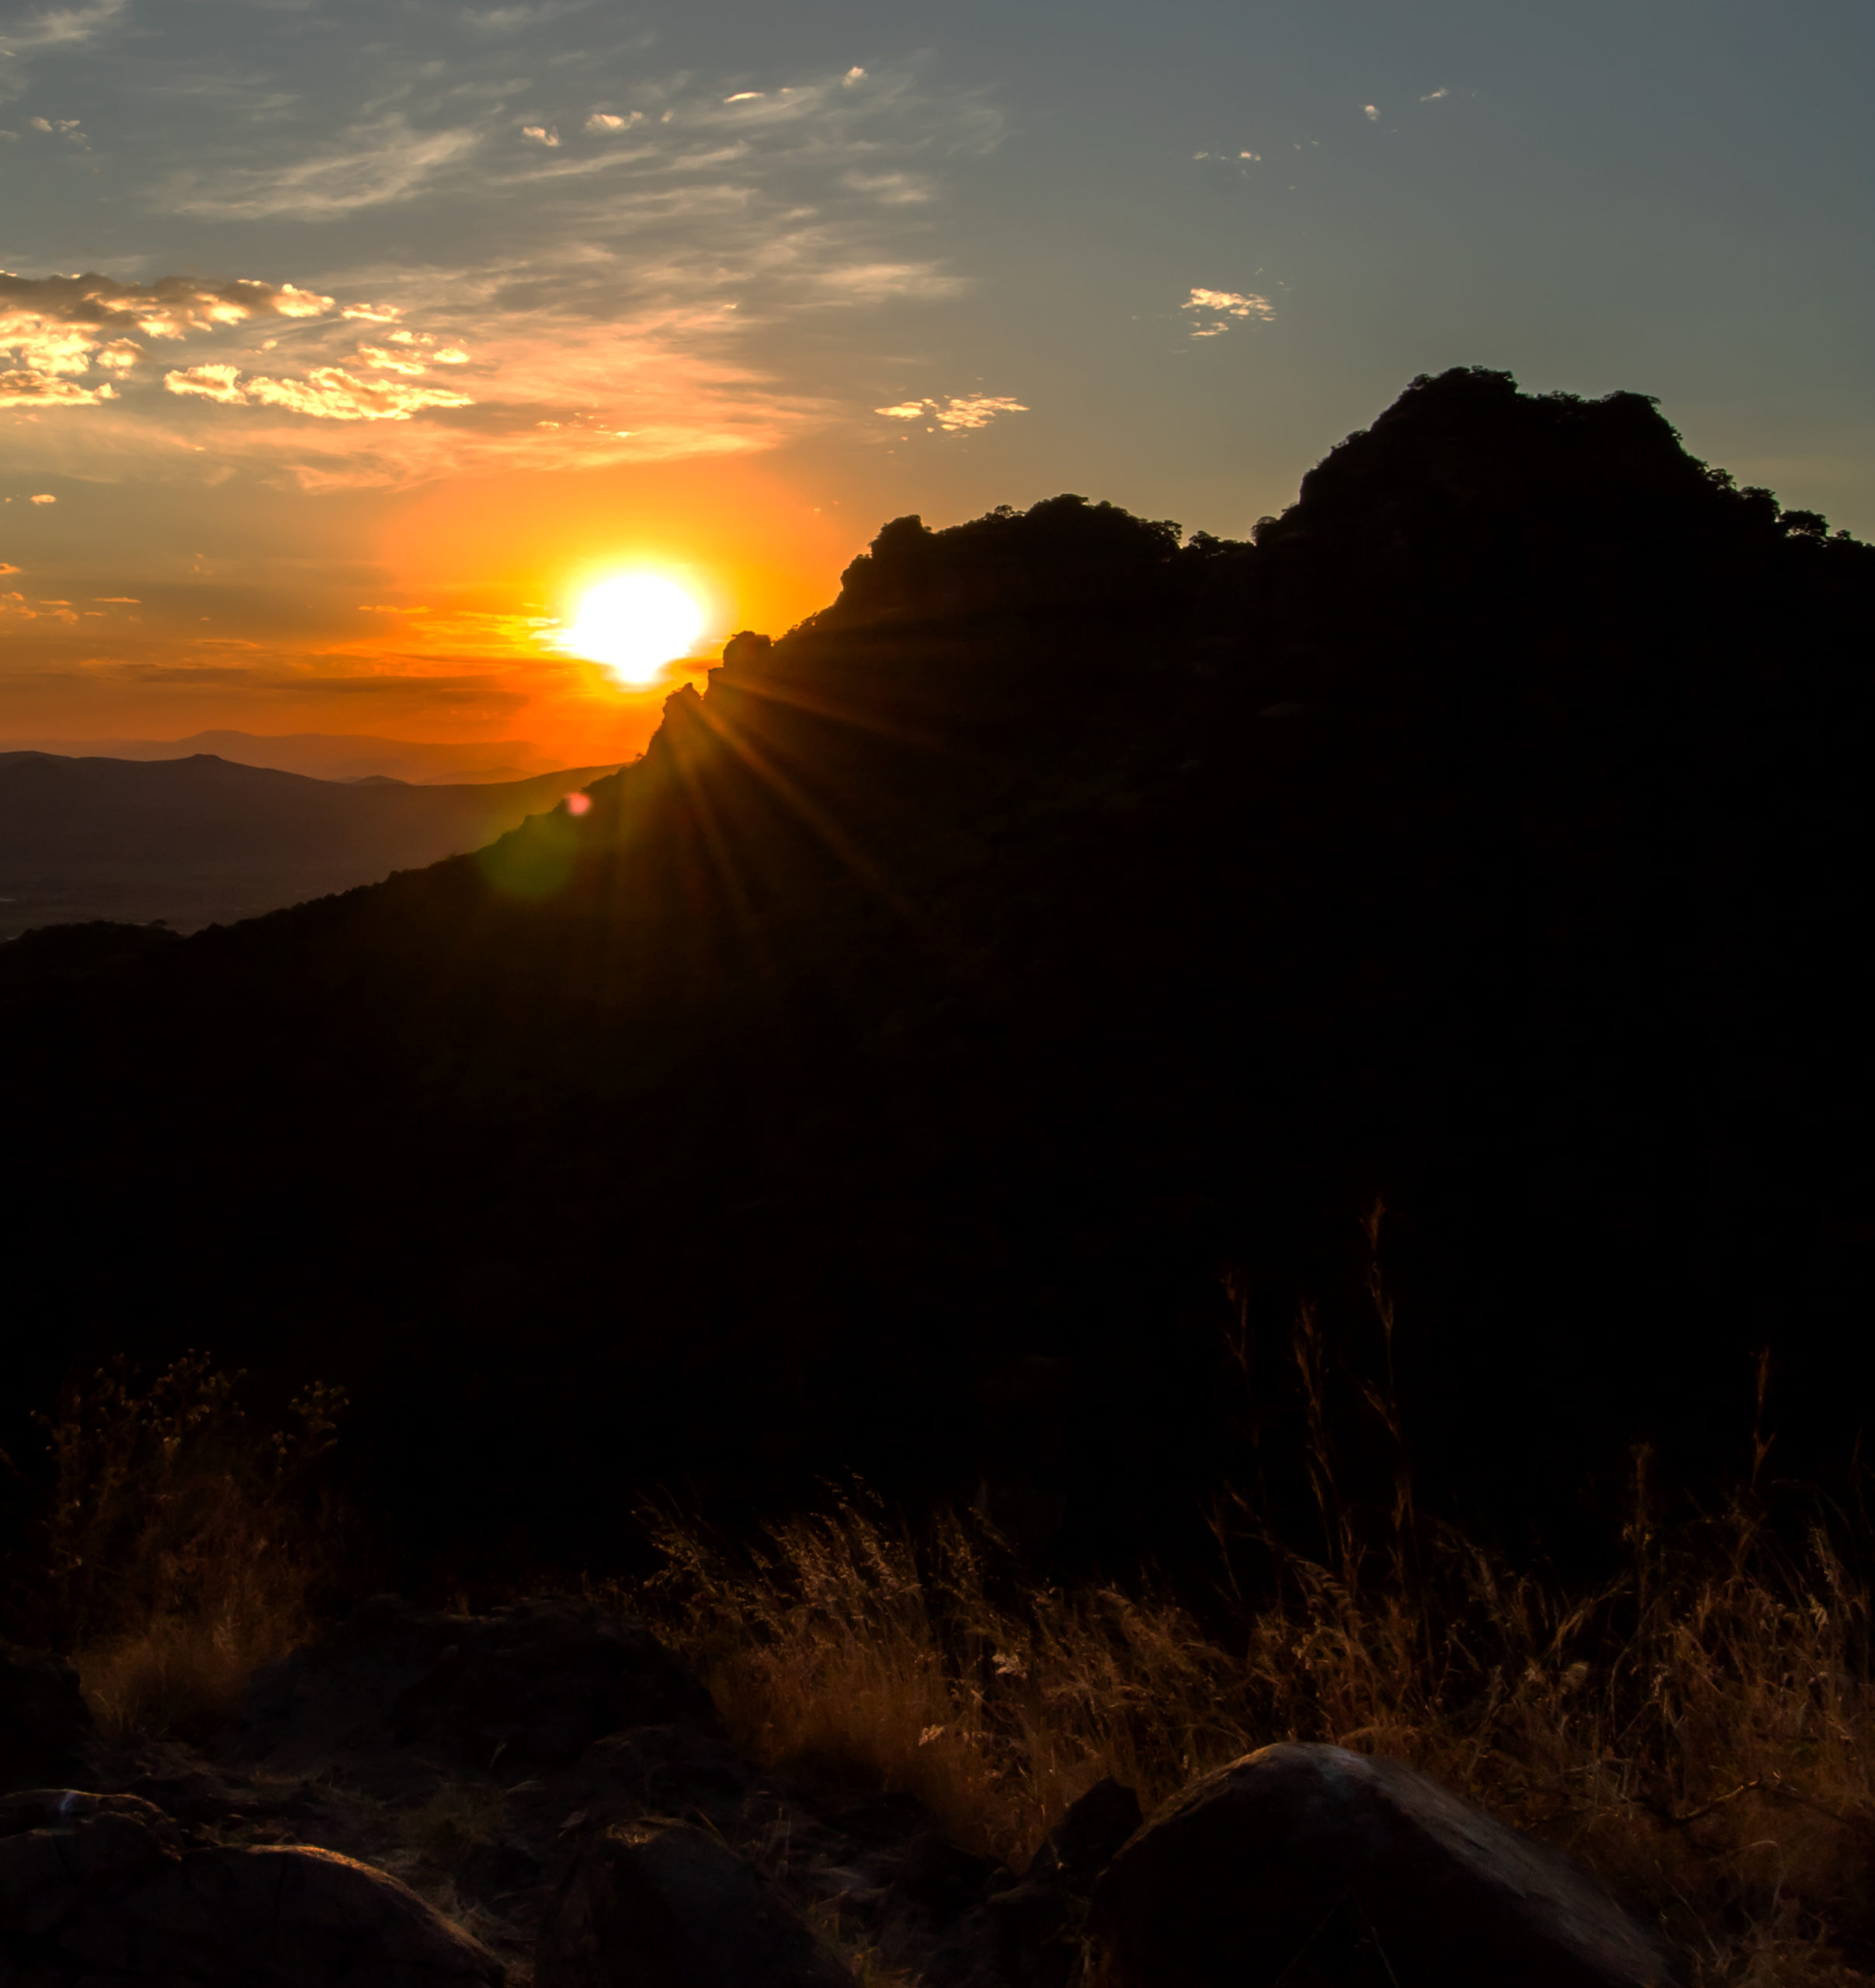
point(635, 625)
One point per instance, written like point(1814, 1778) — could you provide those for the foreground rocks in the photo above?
point(667, 1905)
point(1309, 1864)
point(99, 1889)
point(423, 1800)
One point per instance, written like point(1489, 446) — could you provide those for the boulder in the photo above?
point(519, 1692)
point(1309, 1864)
point(97, 1888)
point(45, 1724)
point(661, 1904)
point(1087, 1838)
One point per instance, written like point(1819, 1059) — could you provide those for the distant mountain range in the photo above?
point(200, 841)
point(323, 755)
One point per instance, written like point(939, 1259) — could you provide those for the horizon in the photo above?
point(348, 355)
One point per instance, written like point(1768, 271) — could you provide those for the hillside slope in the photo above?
point(981, 1001)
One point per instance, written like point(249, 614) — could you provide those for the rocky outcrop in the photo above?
point(45, 1725)
point(1309, 1864)
point(520, 1691)
point(657, 1904)
point(100, 1888)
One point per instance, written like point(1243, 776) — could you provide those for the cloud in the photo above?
point(327, 393)
point(405, 363)
point(624, 297)
point(5, 568)
point(541, 135)
point(54, 329)
point(369, 165)
point(1216, 307)
point(43, 499)
point(885, 283)
point(210, 382)
point(491, 24)
point(1433, 96)
point(64, 325)
point(1372, 112)
point(964, 411)
point(894, 189)
point(25, 387)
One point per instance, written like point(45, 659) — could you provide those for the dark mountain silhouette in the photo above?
point(322, 755)
point(198, 841)
point(983, 1000)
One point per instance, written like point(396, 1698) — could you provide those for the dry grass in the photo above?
point(179, 1553)
point(1698, 1730)
point(460, 1819)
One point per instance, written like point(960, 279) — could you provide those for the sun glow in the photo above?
point(635, 625)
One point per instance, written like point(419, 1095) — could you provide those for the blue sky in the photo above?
point(744, 281)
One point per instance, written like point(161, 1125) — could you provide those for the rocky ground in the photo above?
point(542, 1795)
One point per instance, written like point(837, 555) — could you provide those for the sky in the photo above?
point(345, 344)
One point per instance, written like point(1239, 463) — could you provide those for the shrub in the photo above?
point(181, 1545)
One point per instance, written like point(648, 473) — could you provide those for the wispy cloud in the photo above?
point(495, 23)
point(369, 165)
point(61, 27)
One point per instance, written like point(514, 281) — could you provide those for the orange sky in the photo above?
point(445, 628)
point(341, 345)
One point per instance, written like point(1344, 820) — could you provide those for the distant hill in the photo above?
point(991, 1007)
point(321, 754)
point(198, 841)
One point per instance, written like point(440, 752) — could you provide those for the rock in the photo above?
point(942, 1880)
point(45, 1724)
point(659, 1904)
point(519, 1692)
point(667, 1770)
point(1088, 1837)
point(1312, 1864)
point(98, 1887)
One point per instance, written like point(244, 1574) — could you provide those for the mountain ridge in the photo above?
point(887, 1069)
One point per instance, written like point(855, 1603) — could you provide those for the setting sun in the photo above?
point(636, 625)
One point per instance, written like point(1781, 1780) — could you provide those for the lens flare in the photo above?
point(635, 625)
